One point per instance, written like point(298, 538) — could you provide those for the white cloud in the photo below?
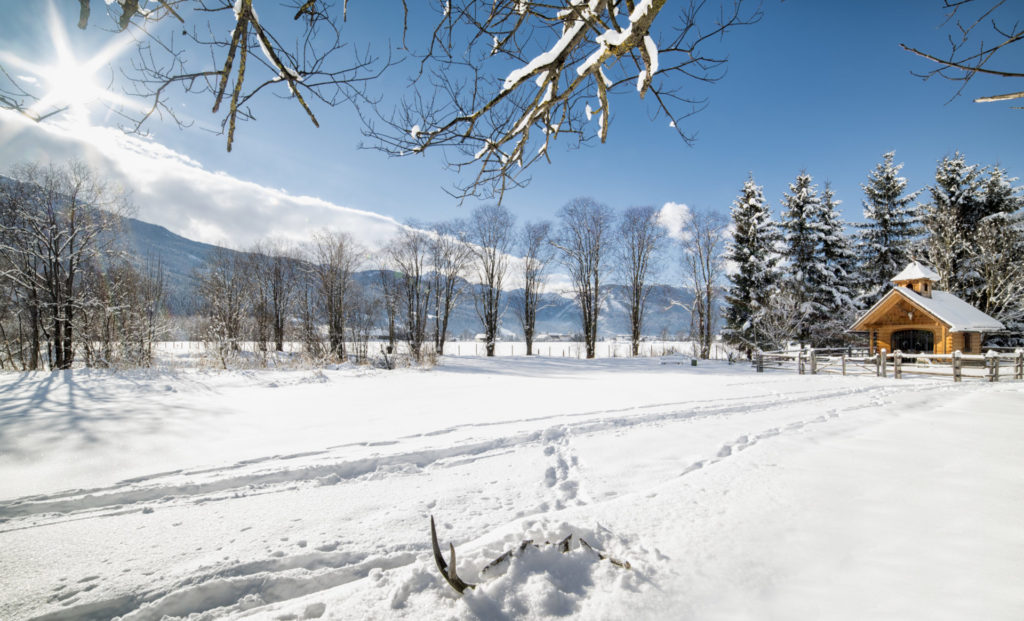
point(175, 191)
point(673, 217)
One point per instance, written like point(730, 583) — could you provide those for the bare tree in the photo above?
point(780, 321)
point(584, 239)
point(281, 282)
point(465, 101)
point(566, 57)
point(225, 52)
point(124, 315)
point(224, 290)
point(535, 246)
point(704, 267)
point(334, 259)
point(362, 313)
point(57, 220)
point(641, 238)
point(450, 256)
point(389, 296)
point(409, 255)
point(982, 30)
point(490, 232)
point(307, 302)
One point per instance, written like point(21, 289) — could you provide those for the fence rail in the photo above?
point(993, 366)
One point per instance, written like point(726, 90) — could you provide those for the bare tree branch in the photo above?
point(969, 53)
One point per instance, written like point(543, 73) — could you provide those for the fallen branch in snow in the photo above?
point(451, 575)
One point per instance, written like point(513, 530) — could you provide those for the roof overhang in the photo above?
point(858, 326)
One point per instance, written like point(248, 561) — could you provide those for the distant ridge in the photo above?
point(667, 306)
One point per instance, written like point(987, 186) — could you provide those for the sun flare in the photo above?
point(71, 82)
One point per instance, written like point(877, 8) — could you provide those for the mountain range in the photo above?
point(180, 257)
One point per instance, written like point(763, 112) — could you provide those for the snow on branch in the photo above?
point(501, 80)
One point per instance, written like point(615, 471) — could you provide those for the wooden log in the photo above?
point(958, 365)
point(760, 362)
point(897, 364)
point(1018, 371)
point(844, 363)
point(881, 363)
point(814, 362)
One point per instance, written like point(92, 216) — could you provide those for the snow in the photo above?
point(647, 73)
point(546, 58)
point(960, 315)
point(303, 494)
point(915, 270)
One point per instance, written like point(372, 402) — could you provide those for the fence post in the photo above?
point(814, 362)
point(1018, 370)
point(992, 362)
point(958, 364)
point(800, 362)
point(881, 363)
point(760, 362)
point(897, 364)
point(844, 362)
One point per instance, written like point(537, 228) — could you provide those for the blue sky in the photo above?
point(816, 86)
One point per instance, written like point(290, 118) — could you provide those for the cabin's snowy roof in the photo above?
point(951, 310)
point(961, 316)
point(915, 270)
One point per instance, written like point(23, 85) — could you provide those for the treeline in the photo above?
point(804, 278)
point(70, 294)
point(67, 293)
point(310, 294)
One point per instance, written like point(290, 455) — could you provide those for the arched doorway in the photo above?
point(913, 341)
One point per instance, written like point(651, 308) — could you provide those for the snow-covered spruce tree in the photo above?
point(998, 252)
point(1000, 256)
point(836, 295)
point(951, 220)
point(753, 252)
point(883, 244)
point(803, 234)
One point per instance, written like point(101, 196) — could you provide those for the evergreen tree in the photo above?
point(883, 245)
point(998, 253)
point(951, 220)
point(837, 259)
point(753, 253)
point(804, 234)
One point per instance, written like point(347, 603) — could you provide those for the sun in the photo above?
point(70, 82)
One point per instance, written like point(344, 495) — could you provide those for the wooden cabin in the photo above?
point(915, 318)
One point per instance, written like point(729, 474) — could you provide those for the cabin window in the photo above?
point(913, 341)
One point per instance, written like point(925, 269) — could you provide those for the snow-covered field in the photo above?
point(302, 494)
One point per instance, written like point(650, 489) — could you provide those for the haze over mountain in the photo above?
point(180, 257)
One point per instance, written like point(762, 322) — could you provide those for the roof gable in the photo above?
point(959, 316)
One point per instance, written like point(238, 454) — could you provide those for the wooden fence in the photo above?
point(992, 366)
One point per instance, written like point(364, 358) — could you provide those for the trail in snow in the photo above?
point(339, 528)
